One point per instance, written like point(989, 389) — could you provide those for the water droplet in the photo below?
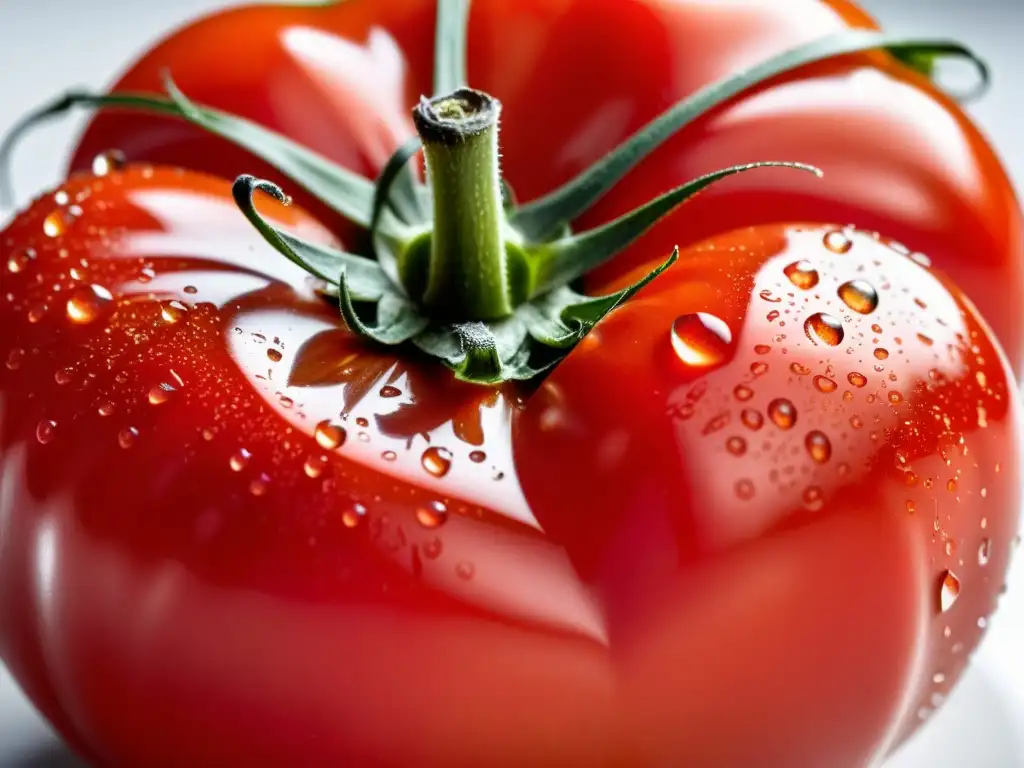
point(857, 379)
point(949, 591)
point(477, 457)
point(389, 455)
point(814, 499)
point(985, 552)
point(802, 274)
point(737, 446)
point(161, 393)
point(389, 391)
point(701, 340)
point(437, 461)
point(838, 241)
point(856, 422)
point(314, 466)
point(173, 311)
point(860, 296)
point(799, 370)
point(938, 678)
point(15, 358)
point(259, 485)
point(951, 485)
point(743, 393)
point(825, 384)
point(762, 349)
point(362, 422)
point(911, 507)
point(745, 489)
point(895, 398)
point(432, 549)
point(823, 328)
point(752, 419)
point(60, 197)
point(759, 369)
point(432, 515)
point(329, 436)
point(274, 355)
point(126, 437)
point(108, 162)
point(64, 375)
point(767, 296)
point(782, 413)
point(818, 446)
point(87, 303)
point(58, 221)
point(351, 517)
point(882, 354)
point(20, 259)
point(465, 571)
point(46, 430)
point(239, 460)
point(106, 409)
point(773, 316)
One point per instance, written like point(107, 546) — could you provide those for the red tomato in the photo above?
point(576, 77)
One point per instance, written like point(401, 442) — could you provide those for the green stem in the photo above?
point(467, 277)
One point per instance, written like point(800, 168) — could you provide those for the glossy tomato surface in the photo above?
point(231, 534)
point(579, 76)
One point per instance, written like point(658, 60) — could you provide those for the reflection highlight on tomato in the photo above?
point(358, 478)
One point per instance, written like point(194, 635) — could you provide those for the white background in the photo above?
point(47, 46)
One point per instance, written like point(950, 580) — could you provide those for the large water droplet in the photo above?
point(46, 430)
point(949, 591)
point(701, 340)
point(88, 303)
point(802, 275)
point(860, 296)
point(782, 413)
point(857, 379)
point(818, 446)
point(823, 328)
point(108, 162)
point(432, 515)
point(838, 241)
point(437, 461)
point(882, 354)
point(329, 436)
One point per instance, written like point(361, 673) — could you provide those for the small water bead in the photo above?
point(437, 461)
point(818, 446)
point(895, 398)
point(985, 552)
point(362, 422)
point(432, 515)
point(57, 223)
point(259, 485)
point(46, 430)
point(949, 591)
point(172, 311)
point(389, 455)
point(856, 422)
point(389, 391)
point(860, 296)
point(126, 437)
point(769, 297)
point(60, 197)
point(161, 393)
point(354, 515)
point(838, 241)
point(701, 340)
point(743, 393)
point(737, 446)
point(951, 485)
point(950, 548)
point(15, 358)
point(37, 312)
point(759, 369)
point(88, 303)
point(825, 384)
point(773, 316)
point(813, 498)
point(477, 457)
point(314, 466)
point(762, 349)
point(146, 274)
point(911, 507)
point(800, 370)
point(239, 460)
point(106, 408)
point(882, 353)
point(782, 413)
point(108, 162)
point(432, 549)
point(823, 328)
point(274, 355)
point(802, 274)
point(465, 571)
point(20, 259)
point(64, 375)
point(328, 435)
point(752, 419)
point(745, 490)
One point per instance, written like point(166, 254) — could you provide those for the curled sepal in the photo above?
point(565, 260)
point(367, 281)
point(397, 320)
point(397, 189)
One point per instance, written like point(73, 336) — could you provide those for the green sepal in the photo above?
point(539, 218)
point(397, 321)
point(367, 280)
point(566, 260)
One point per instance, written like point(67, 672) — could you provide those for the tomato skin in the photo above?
point(899, 156)
point(877, 466)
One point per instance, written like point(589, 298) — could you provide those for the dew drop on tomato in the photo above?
point(88, 303)
point(802, 274)
point(126, 437)
point(108, 162)
point(46, 430)
point(743, 393)
point(64, 376)
point(818, 446)
point(161, 393)
point(823, 328)
point(858, 380)
point(799, 370)
point(106, 408)
point(737, 446)
point(825, 384)
point(437, 461)
point(389, 455)
point(477, 457)
point(239, 459)
point(389, 391)
point(701, 340)
point(172, 312)
point(314, 466)
point(745, 489)
point(752, 419)
point(465, 571)
point(274, 355)
point(949, 591)
point(433, 548)
point(860, 296)
point(15, 358)
point(985, 552)
point(328, 435)
point(882, 353)
point(260, 485)
point(782, 413)
point(838, 241)
point(432, 515)
point(354, 515)
point(20, 259)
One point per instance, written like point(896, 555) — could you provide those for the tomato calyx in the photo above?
point(460, 270)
